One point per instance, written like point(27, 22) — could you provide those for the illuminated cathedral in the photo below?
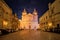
point(29, 20)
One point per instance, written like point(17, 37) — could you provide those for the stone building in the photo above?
point(29, 21)
point(15, 22)
point(5, 15)
point(43, 20)
point(51, 18)
point(8, 21)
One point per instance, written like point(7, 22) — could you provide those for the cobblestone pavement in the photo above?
point(31, 35)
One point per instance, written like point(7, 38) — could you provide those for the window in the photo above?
point(6, 12)
point(52, 11)
point(44, 23)
point(57, 25)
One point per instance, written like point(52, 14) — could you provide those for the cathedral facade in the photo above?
point(29, 20)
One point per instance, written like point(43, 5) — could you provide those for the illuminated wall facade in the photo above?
point(5, 15)
point(29, 21)
point(51, 18)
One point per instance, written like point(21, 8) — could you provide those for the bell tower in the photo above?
point(35, 19)
point(24, 12)
point(34, 12)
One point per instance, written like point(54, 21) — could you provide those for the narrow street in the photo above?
point(31, 35)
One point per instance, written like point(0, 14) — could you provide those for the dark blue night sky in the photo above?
point(18, 6)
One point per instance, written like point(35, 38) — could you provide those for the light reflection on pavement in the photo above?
point(31, 35)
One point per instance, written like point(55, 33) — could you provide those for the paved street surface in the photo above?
point(31, 35)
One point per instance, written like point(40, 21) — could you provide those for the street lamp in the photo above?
point(50, 24)
point(5, 23)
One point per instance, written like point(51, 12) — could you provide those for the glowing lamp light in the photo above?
point(5, 23)
point(50, 24)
